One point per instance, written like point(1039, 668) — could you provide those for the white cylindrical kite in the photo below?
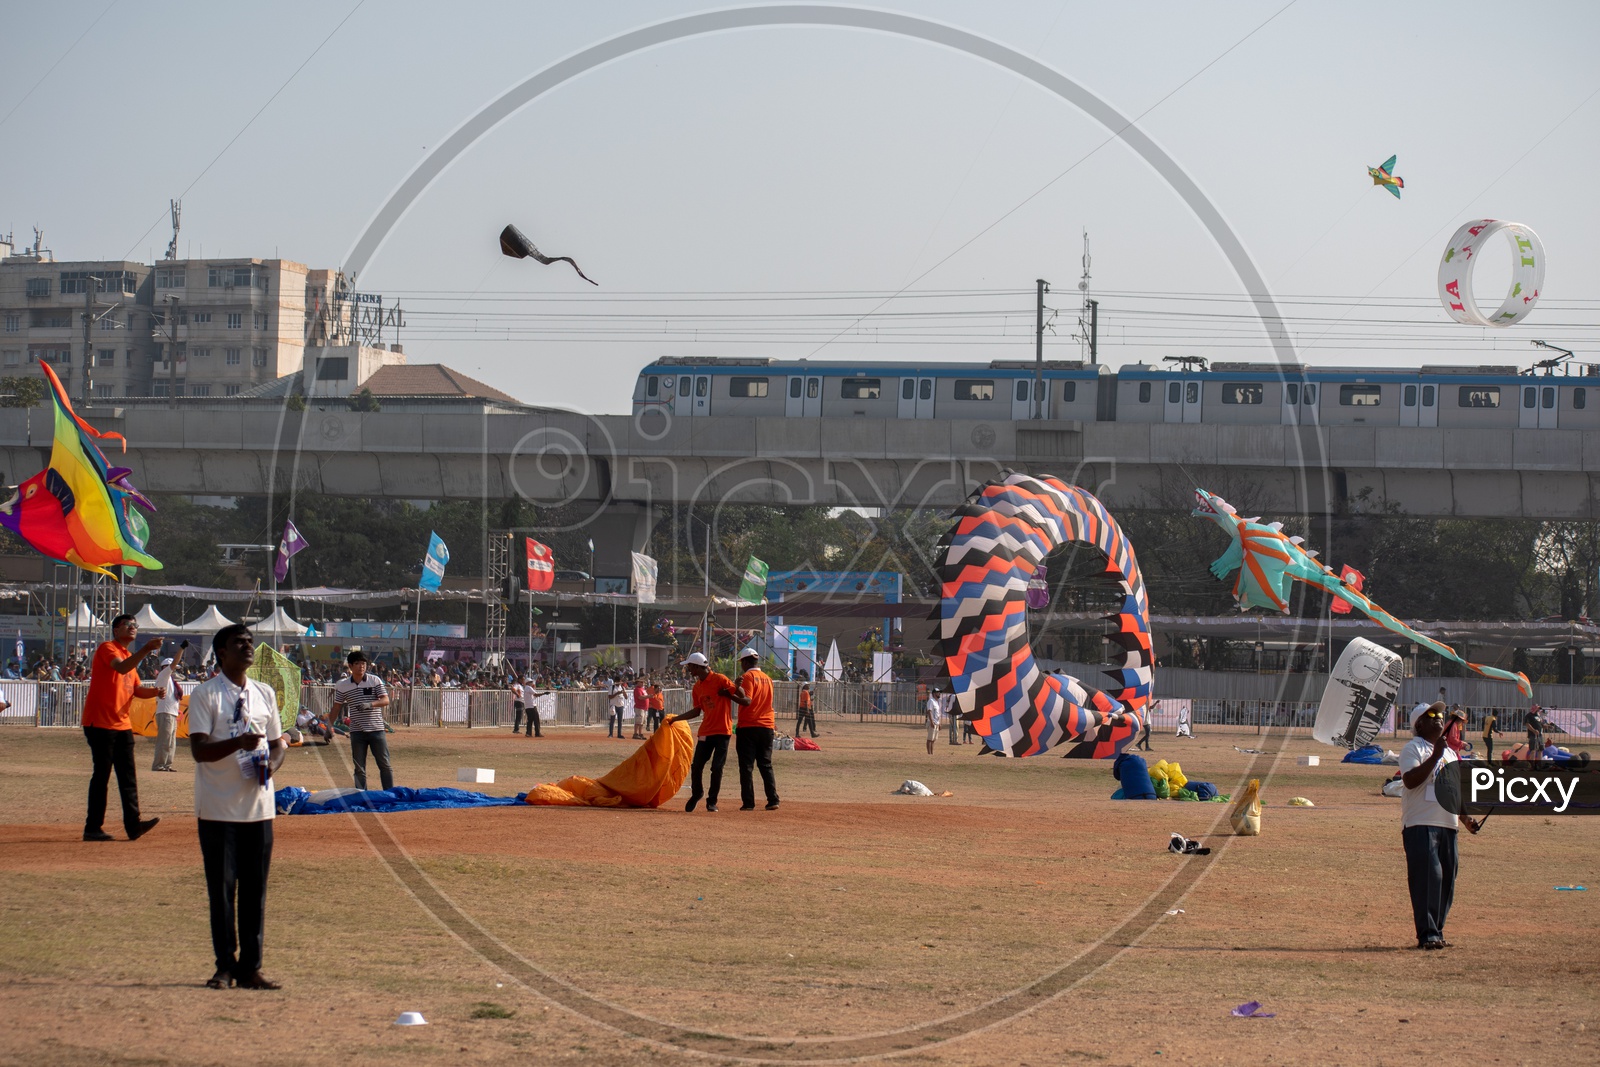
point(1455, 272)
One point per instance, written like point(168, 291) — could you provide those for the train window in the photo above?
point(1427, 396)
point(702, 386)
point(860, 388)
point(1144, 392)
point(652, 386)
point(1580, 398)
point(1174, 393)
point(982, 389)
point(1360, 396)
point(908, 389)
point(1309, 394)
point(683, 386)
point(747, 387)
point(1022, 389)
point(813, 385)
point(925, 392)
point(1527, 396)
point(1291, 392)
point(1547, 397)
point(1479, 396)
point(1243, 392)
point(1408, 396)
point(794, 388)
point(1191, 393)
point(1069, 392)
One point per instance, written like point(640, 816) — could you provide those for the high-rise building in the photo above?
point(183, 327)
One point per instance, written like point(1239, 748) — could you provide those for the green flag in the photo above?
point(282, 676)
point(754, 586)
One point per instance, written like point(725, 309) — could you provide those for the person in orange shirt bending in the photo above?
point(714, 696)
point(756, 727)
point(113, 683)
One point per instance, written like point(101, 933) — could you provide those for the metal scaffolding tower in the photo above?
point(497, 586)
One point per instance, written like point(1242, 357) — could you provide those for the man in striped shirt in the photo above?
point(359, 698)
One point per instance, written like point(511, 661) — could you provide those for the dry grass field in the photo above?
point(1022, 920)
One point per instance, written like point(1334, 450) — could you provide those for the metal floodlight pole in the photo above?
point(1038, 349)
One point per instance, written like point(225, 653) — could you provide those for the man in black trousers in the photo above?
point(234, 735)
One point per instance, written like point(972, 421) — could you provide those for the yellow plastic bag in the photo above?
point(1246, 814)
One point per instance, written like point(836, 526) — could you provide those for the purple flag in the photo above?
point(292, 542)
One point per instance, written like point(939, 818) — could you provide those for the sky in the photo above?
point(831, 193)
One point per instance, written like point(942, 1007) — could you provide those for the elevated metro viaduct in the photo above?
point(626, 468)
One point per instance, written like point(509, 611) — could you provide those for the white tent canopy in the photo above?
point(210, 622)
point(278, 622)
point(83, 618)
point(150, 622)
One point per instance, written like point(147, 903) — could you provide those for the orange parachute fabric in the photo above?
point(647, 779)
point(142, 715)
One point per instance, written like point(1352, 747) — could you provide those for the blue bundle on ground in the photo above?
point(1369, 754)
point(293, 800)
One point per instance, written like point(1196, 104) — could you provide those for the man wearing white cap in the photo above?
point(166, 717)
point(713, 696)
point(757, 725)
point(1427, 830)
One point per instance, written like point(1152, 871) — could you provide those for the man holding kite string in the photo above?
point(1427, 830)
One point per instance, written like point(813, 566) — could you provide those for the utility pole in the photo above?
point(1094, 332)
point(88, 340)
point(1038, 350)
point(172, 351)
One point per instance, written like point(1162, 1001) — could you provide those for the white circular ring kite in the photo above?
point(1455, 272)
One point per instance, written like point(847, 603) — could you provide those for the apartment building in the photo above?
point(194, 327)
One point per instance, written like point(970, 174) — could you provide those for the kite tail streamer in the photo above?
point(1000, 538)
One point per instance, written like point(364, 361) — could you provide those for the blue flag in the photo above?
point(433, 565)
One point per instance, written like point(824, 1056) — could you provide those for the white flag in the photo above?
point(644, 578)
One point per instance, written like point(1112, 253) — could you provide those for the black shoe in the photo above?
point(772, 805)
point(256, 980)
point(221, 980)
point(711, 807)
point(144, 826)
point(747, 807)
point(695, 800)
point(97, 835)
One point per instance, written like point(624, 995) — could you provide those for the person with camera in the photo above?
point(359, 699)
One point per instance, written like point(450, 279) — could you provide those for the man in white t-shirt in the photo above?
point(935, 715)
point(1427, 830)
point(518, 706)
point(166, 717)
point(236, 741)
point(618, 698)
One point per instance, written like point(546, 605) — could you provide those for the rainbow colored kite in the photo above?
point(1267, 560)
point(80, 510)
point(1000, 540)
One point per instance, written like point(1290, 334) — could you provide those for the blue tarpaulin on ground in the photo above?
point(1370, 754)
point(293, 800)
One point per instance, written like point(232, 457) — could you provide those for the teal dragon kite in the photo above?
point(1267, 560)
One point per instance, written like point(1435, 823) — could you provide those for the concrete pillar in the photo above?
point(620, 529)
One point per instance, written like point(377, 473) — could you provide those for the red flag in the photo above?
point(541, 567)
point(1353, 578)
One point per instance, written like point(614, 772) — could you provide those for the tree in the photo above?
point(21, 392)
point(365, 401)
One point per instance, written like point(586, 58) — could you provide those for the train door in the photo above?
point(1549, 406)
point(1291, 403)
point(1308, 404)
point(1528, 409)
point(1428, 409)
point(916, 398)
point(1183, 401)
point(804, 397)
point(1410, 410)
point(700, 403)
point(1022, 394)
point(683, 403)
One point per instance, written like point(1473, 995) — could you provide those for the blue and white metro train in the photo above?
point(1224, 393)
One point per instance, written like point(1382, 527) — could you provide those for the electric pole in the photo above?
point(1094, 332)
point(88, 339)
point(1038, 349)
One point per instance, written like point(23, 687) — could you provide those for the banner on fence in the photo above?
point(1164, 713)
point(1577, 722)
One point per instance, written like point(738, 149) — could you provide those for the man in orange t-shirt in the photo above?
point(713, 696)
point(756, 727)
point(113, 683)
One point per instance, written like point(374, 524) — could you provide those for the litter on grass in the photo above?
point(1251, 1009)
